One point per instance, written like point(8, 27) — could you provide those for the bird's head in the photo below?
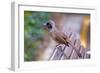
point(49, 25)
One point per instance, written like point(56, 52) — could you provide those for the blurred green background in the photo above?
point(33, 32)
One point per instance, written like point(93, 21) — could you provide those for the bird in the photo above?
point(59, 36)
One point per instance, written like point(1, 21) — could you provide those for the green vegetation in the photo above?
point(33, 32)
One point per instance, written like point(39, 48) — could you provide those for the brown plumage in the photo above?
point(59, 36)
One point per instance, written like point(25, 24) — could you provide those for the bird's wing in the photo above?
point(61, 37)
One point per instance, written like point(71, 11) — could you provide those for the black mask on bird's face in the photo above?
point(50, 25)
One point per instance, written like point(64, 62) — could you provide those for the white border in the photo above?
point(18, 37)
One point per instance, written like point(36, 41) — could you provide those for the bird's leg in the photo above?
point(67, 44)
point(57, 45)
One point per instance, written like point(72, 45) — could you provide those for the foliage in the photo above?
point(33, 32)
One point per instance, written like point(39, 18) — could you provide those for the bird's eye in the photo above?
point(49, 25)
